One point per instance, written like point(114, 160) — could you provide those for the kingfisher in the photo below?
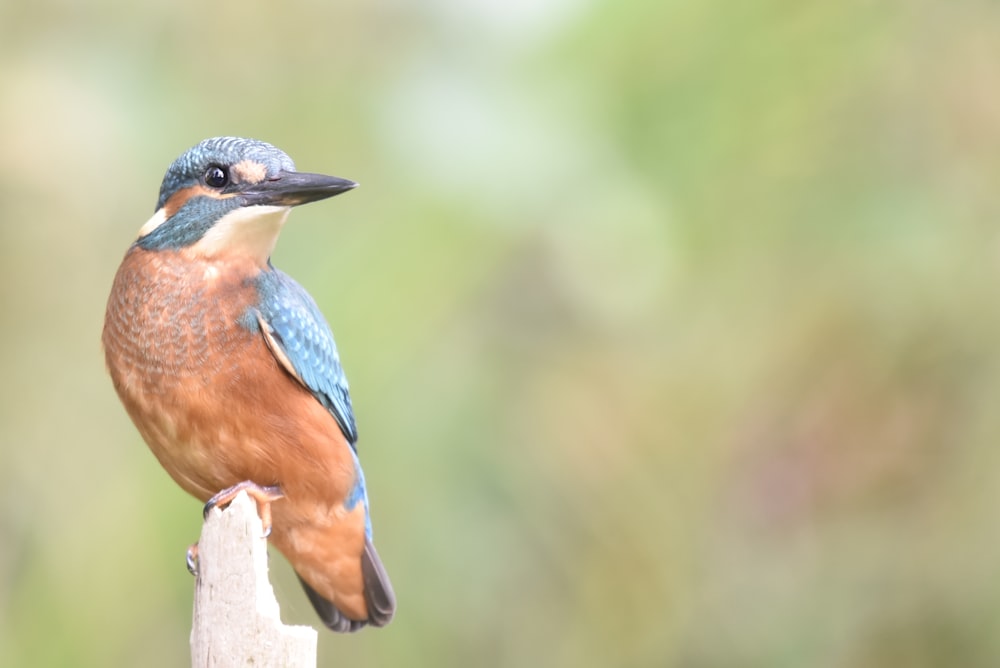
point(231, 374)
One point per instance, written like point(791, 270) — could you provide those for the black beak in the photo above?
point(294, 188)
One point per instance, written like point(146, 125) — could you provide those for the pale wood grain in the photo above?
point(236, 616)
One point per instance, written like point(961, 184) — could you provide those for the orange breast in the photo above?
point(216, 408)
point(204, 391)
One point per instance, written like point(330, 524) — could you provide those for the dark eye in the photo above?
point(216, 176)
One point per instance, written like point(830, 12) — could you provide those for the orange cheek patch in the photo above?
point(249, 171)
point(180, 198)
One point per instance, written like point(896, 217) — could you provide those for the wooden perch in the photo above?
point(236, 617)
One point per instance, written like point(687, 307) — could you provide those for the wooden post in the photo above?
point(236, 617)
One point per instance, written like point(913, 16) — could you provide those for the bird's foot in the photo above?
point(192, 559)
point(264, 496)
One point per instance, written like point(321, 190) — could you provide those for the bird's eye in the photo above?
point(216, 176)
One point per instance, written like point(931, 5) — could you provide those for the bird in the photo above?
point(231, 375)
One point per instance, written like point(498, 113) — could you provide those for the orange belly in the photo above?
point(216, 408)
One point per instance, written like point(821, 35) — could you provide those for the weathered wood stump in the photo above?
point(236, 616)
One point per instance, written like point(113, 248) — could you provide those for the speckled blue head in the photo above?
point(222, 175)
point(190, 167)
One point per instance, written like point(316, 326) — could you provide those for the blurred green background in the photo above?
point(671, 326)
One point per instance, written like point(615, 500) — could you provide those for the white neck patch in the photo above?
point(158, 219)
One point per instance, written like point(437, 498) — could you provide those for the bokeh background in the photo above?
point(671, 326)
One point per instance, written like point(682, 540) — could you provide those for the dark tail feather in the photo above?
point(379, 597)
point(330, 615)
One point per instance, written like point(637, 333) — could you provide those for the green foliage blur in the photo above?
point(671, 327)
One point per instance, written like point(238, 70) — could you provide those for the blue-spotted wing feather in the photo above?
point(301, 339)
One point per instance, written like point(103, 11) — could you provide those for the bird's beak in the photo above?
point(294, 188)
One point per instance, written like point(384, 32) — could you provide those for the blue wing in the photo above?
point(299, 337)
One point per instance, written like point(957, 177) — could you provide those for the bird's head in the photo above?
point(229, 196)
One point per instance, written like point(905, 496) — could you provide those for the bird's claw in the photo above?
point(263, 495)
point(191, 559)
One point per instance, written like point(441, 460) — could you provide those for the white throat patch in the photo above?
point(250, 231)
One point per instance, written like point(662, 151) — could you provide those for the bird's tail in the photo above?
point(379, 597)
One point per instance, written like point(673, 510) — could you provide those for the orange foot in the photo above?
point(264, 496)
point(192, 559)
